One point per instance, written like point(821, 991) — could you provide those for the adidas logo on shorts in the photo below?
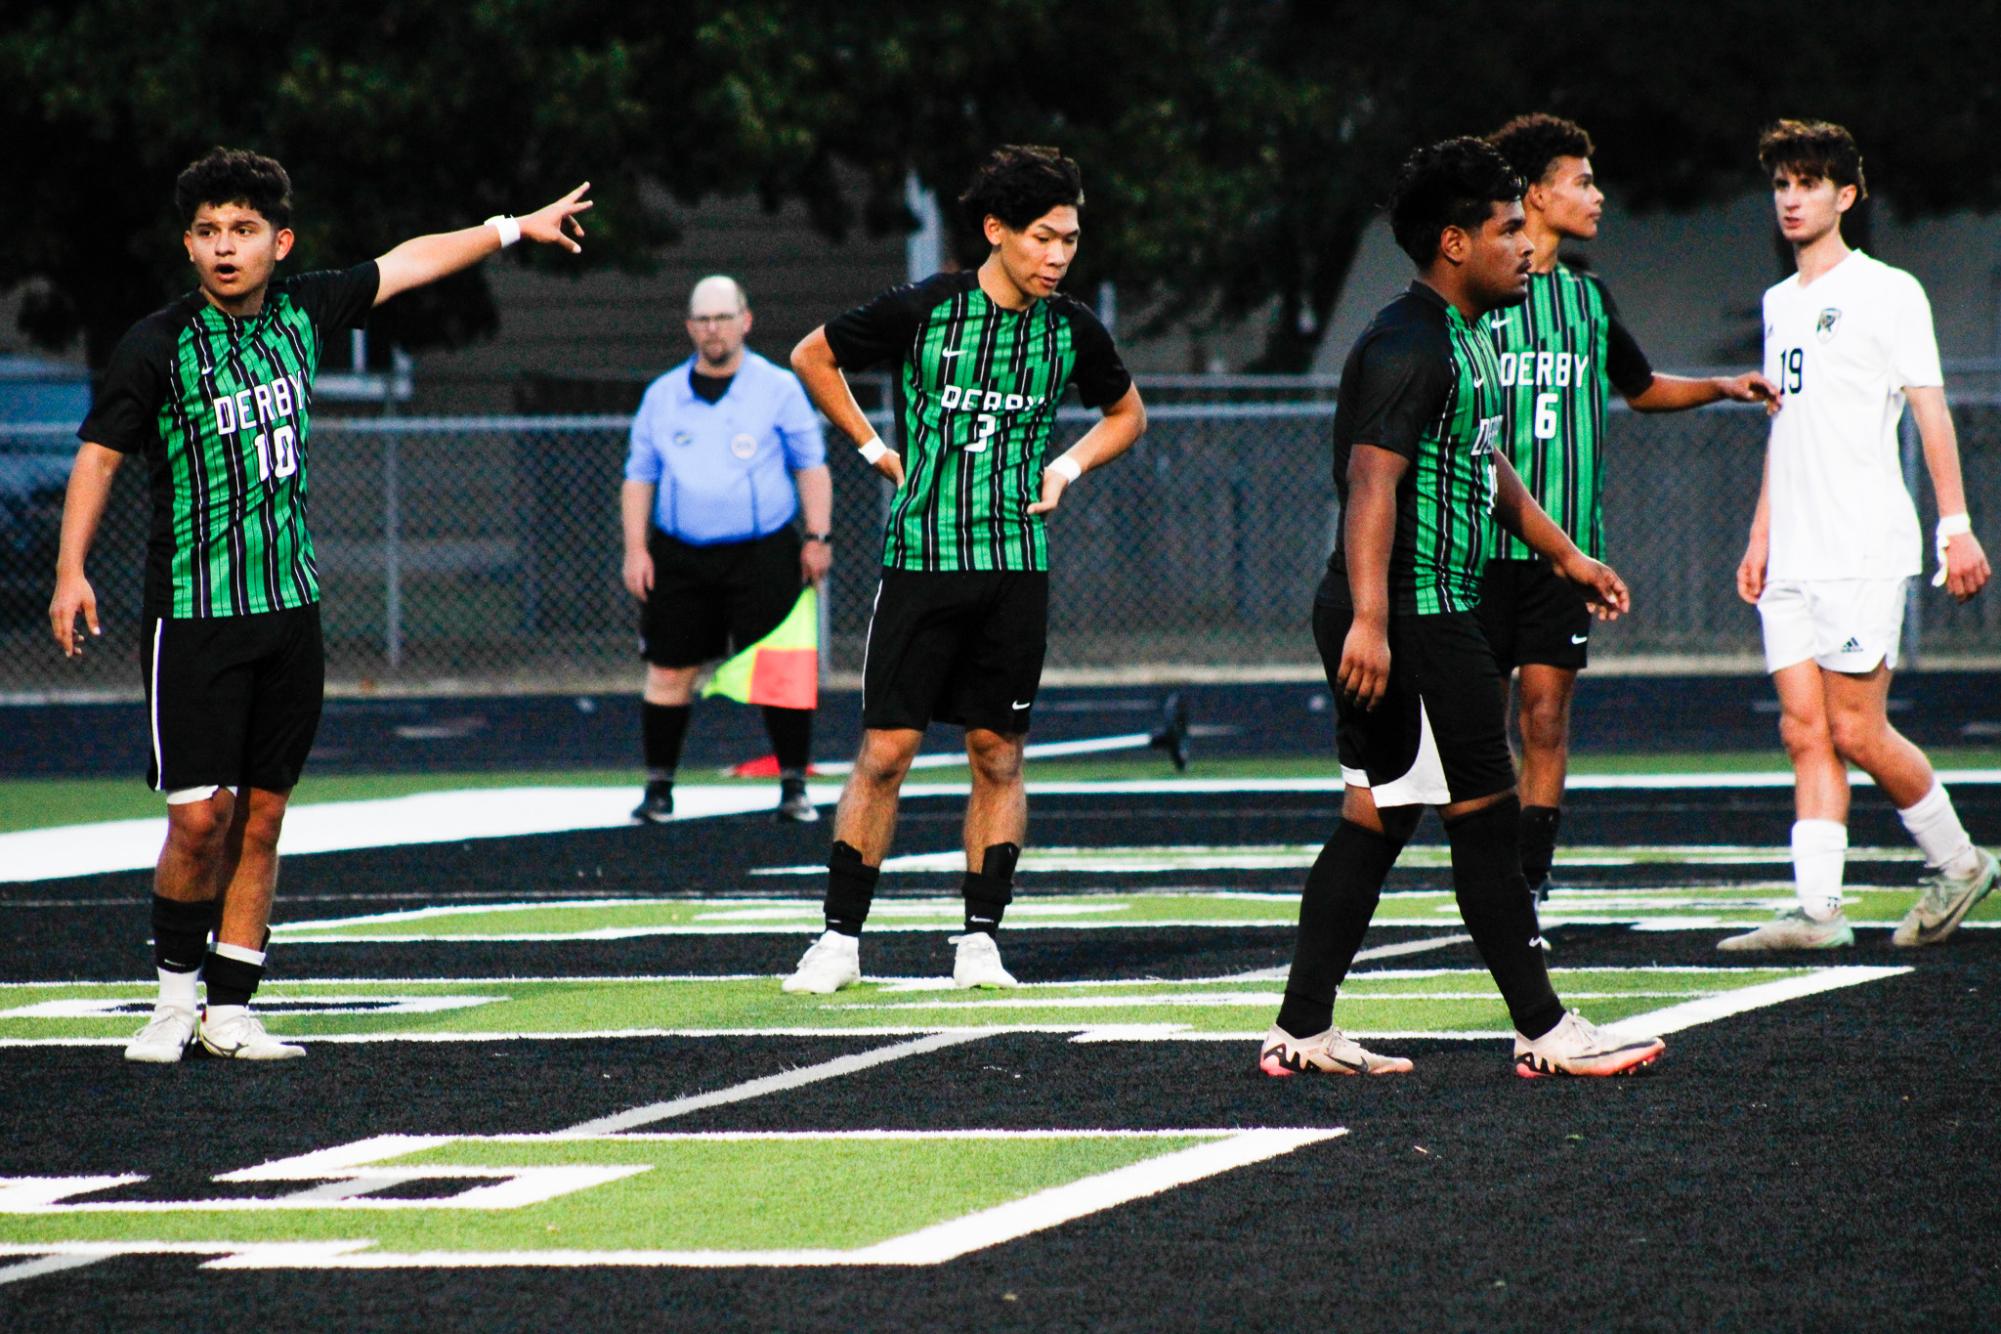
point(1853, 645)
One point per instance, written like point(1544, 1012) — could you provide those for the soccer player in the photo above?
point(961, 616)
point(1835, 541)
point(1559, 352)
point(1421, 706)
point(215, 391)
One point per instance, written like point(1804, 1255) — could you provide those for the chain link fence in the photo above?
point(484, 552)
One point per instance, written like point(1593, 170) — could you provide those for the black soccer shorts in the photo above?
point(1439, 735)
point(1533, 615)
point(711, 601)
point(232, 701)
point(958, 646)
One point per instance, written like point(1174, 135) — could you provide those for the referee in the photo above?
point(710, 550)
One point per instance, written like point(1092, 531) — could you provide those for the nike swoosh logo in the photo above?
point(955, 352)
point(1479, 383)
point(1579, 639)
point(1023, 706)
point(1497, 324)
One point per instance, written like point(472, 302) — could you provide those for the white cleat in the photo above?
point(1578, 1047)
point(1943, 903)
point(164, 1038)
point(241, 1037)
point(834, 961)
point(978, 962)
point(1330, 1053)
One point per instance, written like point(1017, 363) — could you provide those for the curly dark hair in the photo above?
point(1018, 183)
point(235, 176)
point(1816, 148)
point(1534, 142)
point(1453, 183)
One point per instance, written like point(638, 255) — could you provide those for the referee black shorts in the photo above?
point(708, 602)
point(960, 646)
point(232, 701)
point(1439, 735)
point(1532, 614)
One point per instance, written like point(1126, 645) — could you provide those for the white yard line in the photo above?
point(1709, 1009)
point(778, 1083)
point(446, 817)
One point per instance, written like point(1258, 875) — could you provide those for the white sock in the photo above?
point(219, 1013)
point(1935, 827)
point(1820, 849)
point(178, 989)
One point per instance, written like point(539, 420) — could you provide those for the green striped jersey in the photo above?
point(220, 407)
point(1558, 350)
point(977, 386)
point(1423, 382)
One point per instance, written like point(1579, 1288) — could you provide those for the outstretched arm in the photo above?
point(425, 259)
point(1673, 393)
point(1516, 510)
point(1961, 559)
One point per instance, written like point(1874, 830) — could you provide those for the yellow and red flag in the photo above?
point(783, 668)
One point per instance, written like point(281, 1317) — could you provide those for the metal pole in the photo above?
point(392, 541)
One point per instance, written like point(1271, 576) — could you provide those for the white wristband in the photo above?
point(872, 449)
point(508, 226)
point(1949, 527)
point(1066, 467)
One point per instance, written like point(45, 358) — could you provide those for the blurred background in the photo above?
point(467, 446)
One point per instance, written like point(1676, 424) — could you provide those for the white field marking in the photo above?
point(1222, 1000)
point(779, 1083)
point(1169, 859)
point(510, 1188)
point(1709, 1009)
point(82, 1008)
point(47, 1264)
point(1400, 948)
point(1035, 750)
point(445, 817)
point(932, 1245)
point(1154, 1033)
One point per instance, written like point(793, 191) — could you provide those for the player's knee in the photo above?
point(1855, 736)
point(1545, 724)
point(994, 758)
point(199, 829)
point(884, 760)
point(1804, 736)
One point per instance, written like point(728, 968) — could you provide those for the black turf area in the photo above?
point(1828, 1163)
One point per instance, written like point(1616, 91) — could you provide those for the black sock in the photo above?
point(230, 981)
point(850, 890)
point(1539, 825)
point(1340, 897)
point(791, 732)
point(1500, 912)
point(988, 892)
point(180, 933)
point(662, 728)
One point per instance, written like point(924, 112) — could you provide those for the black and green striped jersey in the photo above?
point(1558, 351)
point(220, 408)
point(977, 387)
point(1423, 383)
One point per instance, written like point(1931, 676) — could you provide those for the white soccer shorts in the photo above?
point(1845, 625)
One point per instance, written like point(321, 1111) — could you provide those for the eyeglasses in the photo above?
point(712, 321)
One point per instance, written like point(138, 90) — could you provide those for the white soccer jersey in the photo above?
point(1843, 350)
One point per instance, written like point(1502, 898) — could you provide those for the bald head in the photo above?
point(718, 322)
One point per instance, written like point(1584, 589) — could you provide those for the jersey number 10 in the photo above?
point(277, 453)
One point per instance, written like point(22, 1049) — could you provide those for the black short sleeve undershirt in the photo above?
point(1626, 365)
point(1100, 376)
point(1403, 377)
point(124, 414)
point(336, 298)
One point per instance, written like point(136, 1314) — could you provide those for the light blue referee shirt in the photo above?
point(723, 471)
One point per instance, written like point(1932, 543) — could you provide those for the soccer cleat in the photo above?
point(833, 962)
point(1329, 1053)
point(978, 962)
point(1943, 903)
point(1577, 1047)
point(241, 1037)
point(657, 806)
point(1794, 930)
point(794, 806)
point(164, 1038)
point(1173, 734)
